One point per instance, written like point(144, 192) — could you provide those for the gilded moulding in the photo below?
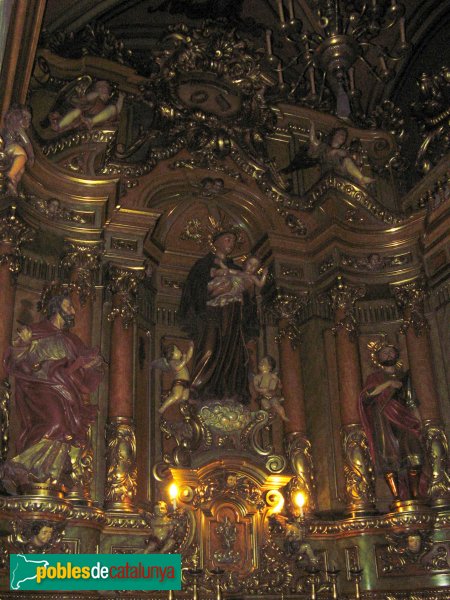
point(436, 445)
point(121, 471)
point(410, 297)
point(57, 507)
point(13, 233)
point(358, 470)
point(83, 260)
point(5, 398)
point(352, 192)
point(81, 460)
point(342, 298)
point(123, 284)
point(286, 308)
point(298, 449)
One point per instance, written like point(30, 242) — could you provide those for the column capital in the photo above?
point(343, 295)
point(409, 297)
point(83, 260)
point(13, 233)
point(286, 307)
point(123, 284)
point(341, 298)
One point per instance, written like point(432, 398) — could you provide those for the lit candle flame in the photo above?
point(173, 493)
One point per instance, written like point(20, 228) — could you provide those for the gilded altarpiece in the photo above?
point(276, 492)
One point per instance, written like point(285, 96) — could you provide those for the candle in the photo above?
point(269, 42)
point(351, 79)
point(401, 23)
point(312, 80)
point(281, 11)
point(173, 493)
point(280, 74)
point(291, 10)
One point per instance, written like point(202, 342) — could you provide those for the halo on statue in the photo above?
point(375, 346)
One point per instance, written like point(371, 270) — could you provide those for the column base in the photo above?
point(119, 507)
point(441, 503)
point(402, 506)
point(356, 511)
point(42, 490)
point(78, 500)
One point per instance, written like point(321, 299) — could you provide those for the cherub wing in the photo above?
point(62, 102)
point(302, 160)
point(161, 363)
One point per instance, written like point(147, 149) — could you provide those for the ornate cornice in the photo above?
point(352, 192)
point(410, 297)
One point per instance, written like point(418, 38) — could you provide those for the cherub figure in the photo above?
point(333, 156)
point(268, 385)
point(175, 361)
point(164, 528)
point(294, 536)
point(91, 105)
point(17, 144)
point(228, 284)
point(38, 537)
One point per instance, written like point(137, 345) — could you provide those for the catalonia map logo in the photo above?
point(67, 572)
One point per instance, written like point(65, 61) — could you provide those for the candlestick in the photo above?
point(281, 11)
point(356, 576)
point(333, 574)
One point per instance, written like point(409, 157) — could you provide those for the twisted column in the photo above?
point(286, 308)
point(358, 470)
point(415, 327)
point(120, 435)
point(13, 233)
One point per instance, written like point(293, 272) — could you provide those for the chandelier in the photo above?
point(340, 34)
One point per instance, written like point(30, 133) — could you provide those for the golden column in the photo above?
point(286, 308)
point(410, 298)
point(358, 470)
point(121, 474)
point(13, 233)
point(82, 260)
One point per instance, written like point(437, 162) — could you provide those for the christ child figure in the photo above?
point(230, 284)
